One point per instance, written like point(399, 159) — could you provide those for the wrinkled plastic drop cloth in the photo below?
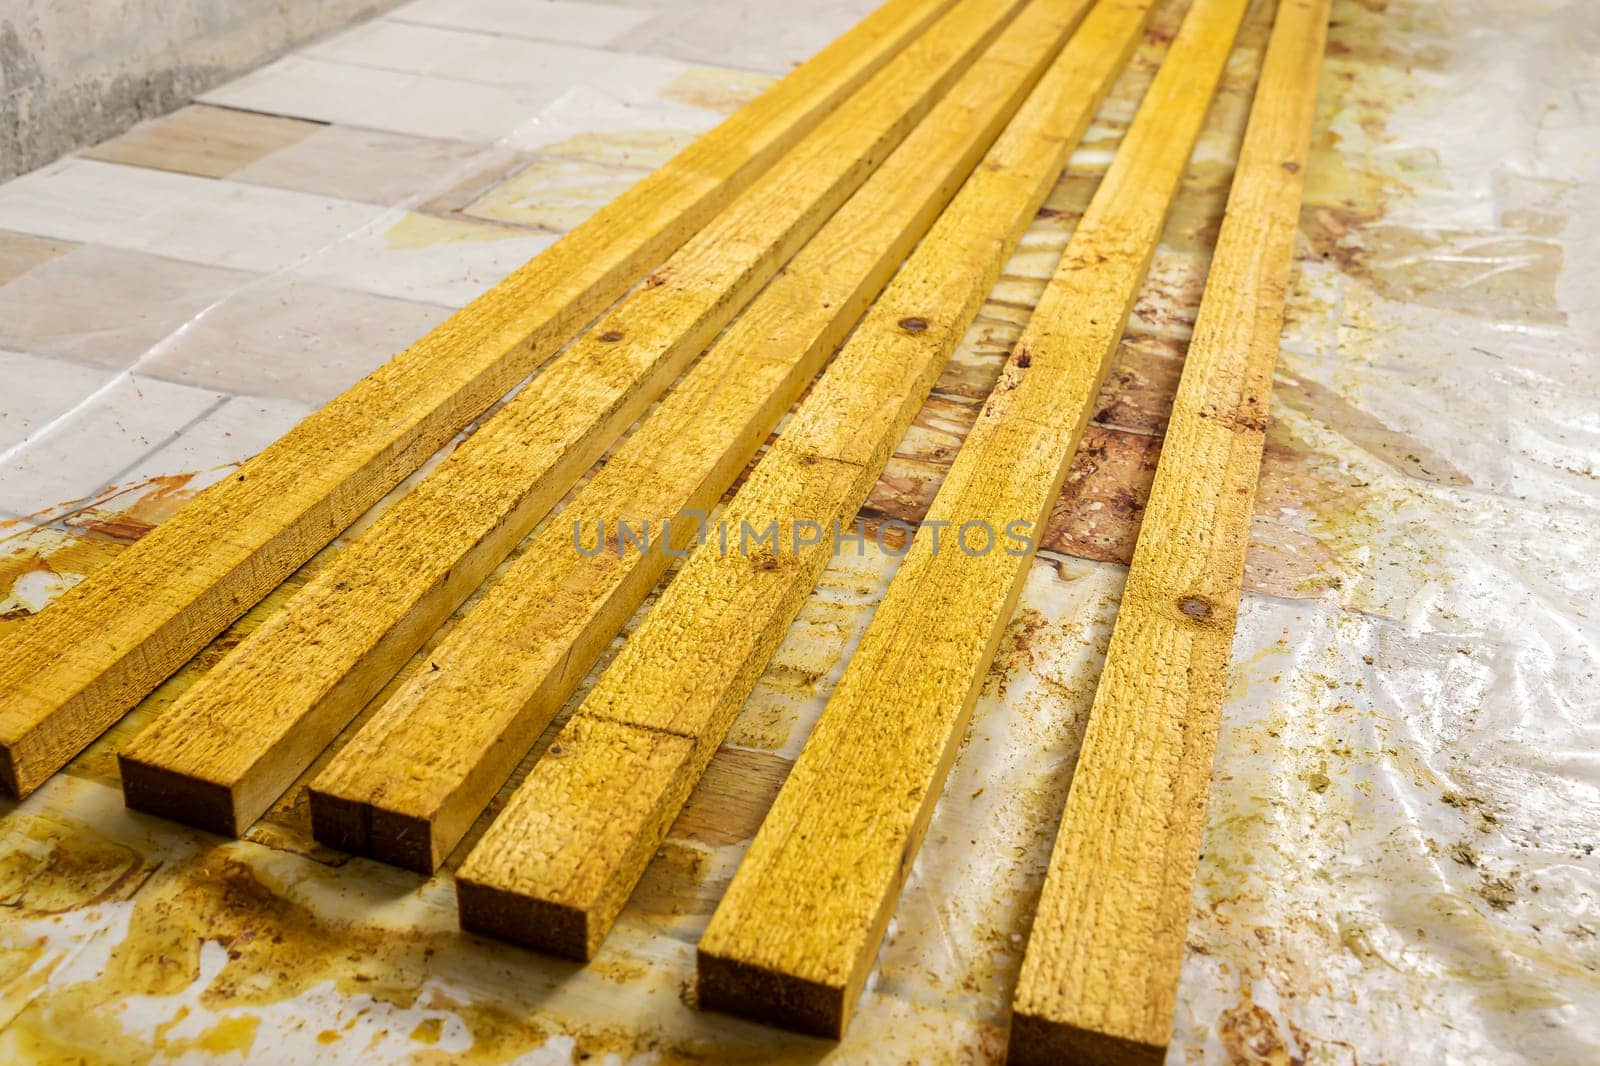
point(1399, 858)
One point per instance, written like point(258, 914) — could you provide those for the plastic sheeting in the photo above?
point(1399, 860)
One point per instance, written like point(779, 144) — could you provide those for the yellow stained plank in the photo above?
point(794, 937)
point(409, 784)
point(241, 736)
point(106, 643)
point(556, 866)
point(1100, 975)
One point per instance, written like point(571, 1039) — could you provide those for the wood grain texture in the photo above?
point(1100, 975)
point(242, 735)
point(794, 937)
point(409, 784)
point(551, 875)
point(103, 645)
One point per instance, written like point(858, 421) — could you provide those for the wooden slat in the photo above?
point(408, 785)
point(242, 735)
point(104, 644)
point(1100, 975)
point(793, 939)
point(556, 866)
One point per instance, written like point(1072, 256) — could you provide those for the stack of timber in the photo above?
point(107, 642)
point(411, 782)
point(840, 233)
point(238, 739)
point(556, 867)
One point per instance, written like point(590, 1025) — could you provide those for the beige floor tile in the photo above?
point(21, 252)
point(38, 389)
point(295, 341)
point(209, 141)
point(368, 165)
point(218, 441)
point(105, 306)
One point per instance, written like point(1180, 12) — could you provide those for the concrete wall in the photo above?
point(73, 72)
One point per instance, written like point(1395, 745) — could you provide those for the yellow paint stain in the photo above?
point(38, 566)
point(278, 950)
point(646, 149)
point(415, 231)
point(235, 1034)
point(716, 89)
point(554, 194)
point(48, 866)
point(128, 512)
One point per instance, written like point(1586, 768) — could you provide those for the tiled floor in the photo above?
point(106, 306)
point(180, 216)
point(189, 289)
point(21, 252)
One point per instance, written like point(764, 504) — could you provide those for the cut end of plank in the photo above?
point(538, 924)
point(360, 828)
point(180, 797)
point(771, 997)
point(554, 870)
point(8, 775)
point(1040, 1041)
point(31, 750)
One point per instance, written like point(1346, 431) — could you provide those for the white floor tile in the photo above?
point(551, 20)
point(590, 115)
point(383, 99)
point(203, 220)
point(477, 57)
point(86, 200)
point(79, 453)
point(38, 389)
point(761, 35)
point(218, 442)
